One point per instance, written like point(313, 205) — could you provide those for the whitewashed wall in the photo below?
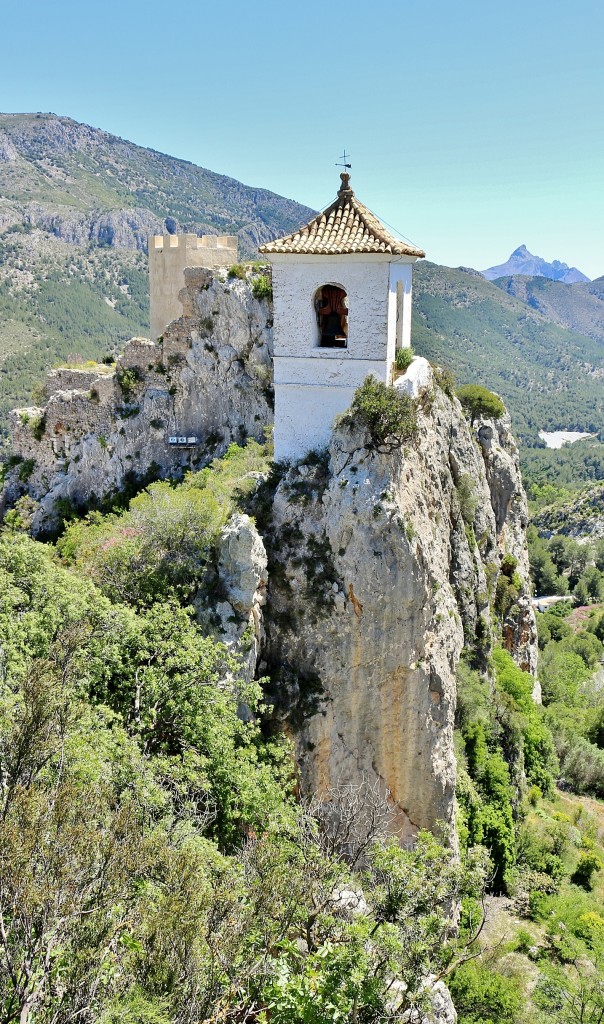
point(313, 384)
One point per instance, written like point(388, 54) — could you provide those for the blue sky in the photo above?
point(473, 127)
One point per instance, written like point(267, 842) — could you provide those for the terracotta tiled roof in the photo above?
point(344, 227)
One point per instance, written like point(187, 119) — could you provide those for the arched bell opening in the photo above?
point(331, 308)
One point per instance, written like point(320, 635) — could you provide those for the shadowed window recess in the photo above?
point(331, 306)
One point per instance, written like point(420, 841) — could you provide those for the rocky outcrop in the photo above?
point(381, 569)
point(581, 518)
point(8, 153)
point(242, 571)
point(209, 380)
point(510, 507)
point(125, 229)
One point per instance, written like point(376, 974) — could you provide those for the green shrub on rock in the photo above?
point(389, 417)
point(403, 359)
point(262, 287)
point(480, 403)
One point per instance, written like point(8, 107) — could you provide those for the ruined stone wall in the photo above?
point(169, 256)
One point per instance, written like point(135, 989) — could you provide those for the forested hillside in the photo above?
point(60, 302)
point(549, 376)
point(578, 306)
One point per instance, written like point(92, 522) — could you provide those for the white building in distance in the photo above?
point(342, 306)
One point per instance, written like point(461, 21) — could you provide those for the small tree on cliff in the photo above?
point(480, 402)
point(389, 417)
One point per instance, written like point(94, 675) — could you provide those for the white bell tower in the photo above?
point(342, 306)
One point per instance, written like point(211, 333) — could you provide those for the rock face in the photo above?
point(365, 574)
point(377, 582)
point(242, 570)
point(510, 508)
point(209, 378)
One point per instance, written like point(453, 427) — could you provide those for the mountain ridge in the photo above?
point(83, 184)
point(521, 261)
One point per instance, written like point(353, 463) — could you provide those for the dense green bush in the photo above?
point(403, 357)
point(586, 867)
point(503, 731)
point(484, 996)
point(262, 287)
point(581, 762)
point(540, 759)
point(159, 547)
point(128, 379)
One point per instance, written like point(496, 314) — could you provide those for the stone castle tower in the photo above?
point(169, 256)
point(342, 306)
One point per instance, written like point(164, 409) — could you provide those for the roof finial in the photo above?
point(345, 189)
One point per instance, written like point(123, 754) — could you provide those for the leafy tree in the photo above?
point(544, 573)
point(581, 763)
point(589, 588)
point(598, 551)
point(561, 674)
point(574, 994)
point(388, 415)
point(480, 403)
point(569, 555)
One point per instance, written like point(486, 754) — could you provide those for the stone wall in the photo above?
point(169, 256)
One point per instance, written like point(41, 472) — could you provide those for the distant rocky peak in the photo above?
point(524, 262)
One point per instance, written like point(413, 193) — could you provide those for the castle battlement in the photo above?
point(191, 241)
point(169, 257)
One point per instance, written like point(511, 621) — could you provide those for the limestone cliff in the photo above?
point(105, 427)
point(376, 584)
point(364, 574)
